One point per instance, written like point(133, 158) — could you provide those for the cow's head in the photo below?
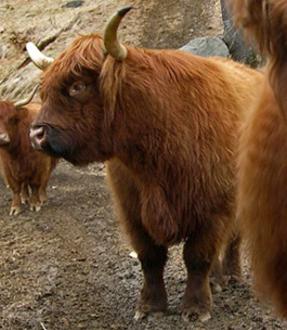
point(72, 118)
point(10, 116)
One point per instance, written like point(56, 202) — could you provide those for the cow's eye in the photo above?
point(77, 88)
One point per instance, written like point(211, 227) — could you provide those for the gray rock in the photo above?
point(73, 4)
point(207, 46)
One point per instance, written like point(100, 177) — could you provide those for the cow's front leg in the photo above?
point(15, 208)
point(153, 296)
point(152, 256)
point(200, 254)
point(197, 300)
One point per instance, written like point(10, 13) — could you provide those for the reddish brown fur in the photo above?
point(265, 22)
point(167, 123)
point(21, 165)
point(262, 202)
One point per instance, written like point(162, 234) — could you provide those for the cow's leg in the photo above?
point(152, 257)
point(217, 279)
point(200, 253)
point(24, 193)
point(15, 187)
point(42, 191)
point(43, 195)
point(16, 198)
point(231, 261)
point(44, 181)
point(35, 203)
point(153, 296)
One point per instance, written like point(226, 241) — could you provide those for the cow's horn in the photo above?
point(112, 45)
point(38, 58)
point(28, 99)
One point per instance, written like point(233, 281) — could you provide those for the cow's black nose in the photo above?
point(37, 136)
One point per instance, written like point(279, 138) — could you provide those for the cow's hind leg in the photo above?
point(24, 193)
point(43, 185)
point(217, 279)
point(43, 194)
point(230, 266)
point(35, 203)
point(231, 260)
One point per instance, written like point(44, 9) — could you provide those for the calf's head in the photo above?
point(10, 116)
point(72, 120)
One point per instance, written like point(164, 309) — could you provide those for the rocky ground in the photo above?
point(68, 266)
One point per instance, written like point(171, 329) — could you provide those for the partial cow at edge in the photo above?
point(262, 197)
point(167, 125)
point(25, 171)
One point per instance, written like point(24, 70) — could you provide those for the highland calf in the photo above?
point(25, 171)
point(167, 125)
point(262, 197)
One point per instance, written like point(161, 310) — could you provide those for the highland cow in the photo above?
point(262, 202)
point(25, 171)
point(167, 125)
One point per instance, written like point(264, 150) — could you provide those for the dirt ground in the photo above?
point(68, 266)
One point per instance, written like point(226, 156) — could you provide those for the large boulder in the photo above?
point(207, 46)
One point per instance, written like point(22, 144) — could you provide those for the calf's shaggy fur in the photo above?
point(22, 167)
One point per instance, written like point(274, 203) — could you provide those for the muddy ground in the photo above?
point(68, 266)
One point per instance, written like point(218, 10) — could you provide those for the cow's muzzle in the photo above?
point(38, 136)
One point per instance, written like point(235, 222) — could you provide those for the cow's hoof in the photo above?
point(197, 309)
point(139, 314)
point(35, 207)
point(24, 200)
point(145, 307)
point(215, 287)
point(15, 210)
point(192, 315)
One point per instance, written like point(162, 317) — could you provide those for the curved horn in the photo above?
point(112, 45)
point(38, 58)
point(27, 100)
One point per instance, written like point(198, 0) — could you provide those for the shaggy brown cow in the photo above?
point(22, 167)
point(167, 124)
point(262, 202)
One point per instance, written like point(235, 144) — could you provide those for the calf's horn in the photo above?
point(27, 100)
point(112, 45)
point(38, 58)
